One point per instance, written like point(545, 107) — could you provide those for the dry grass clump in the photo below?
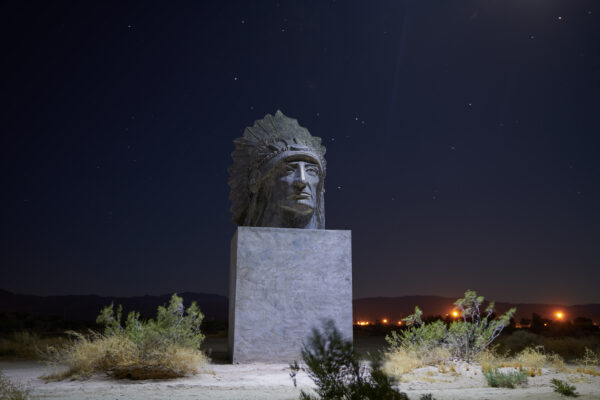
point(530, 361)
point(161, 348)
point(26, 345)
point(403, 360)
point(490, 359)
point(118, 356)
point(589, 363)
point(11, 391)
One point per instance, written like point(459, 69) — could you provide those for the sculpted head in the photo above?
point(277, 176)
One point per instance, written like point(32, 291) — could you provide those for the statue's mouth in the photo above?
point(302, 196)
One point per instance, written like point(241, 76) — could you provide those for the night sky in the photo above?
point(462, 140)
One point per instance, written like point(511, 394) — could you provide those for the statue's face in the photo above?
point(296, 185)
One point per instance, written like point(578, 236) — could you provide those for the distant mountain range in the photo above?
point(87, 307)
point(215, 307)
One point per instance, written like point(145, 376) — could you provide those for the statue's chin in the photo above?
point(299, 208)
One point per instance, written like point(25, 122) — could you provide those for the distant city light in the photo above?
point(399, 322)
point(559, 315)
point(362, 323)
point(385, 320)
point(455, 314)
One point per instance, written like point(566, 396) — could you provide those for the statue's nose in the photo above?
point(300, 177)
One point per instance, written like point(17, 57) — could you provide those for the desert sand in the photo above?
point(272, 381)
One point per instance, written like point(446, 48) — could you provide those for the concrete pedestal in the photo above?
point(284, 282)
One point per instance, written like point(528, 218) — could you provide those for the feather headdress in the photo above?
point(262, 146)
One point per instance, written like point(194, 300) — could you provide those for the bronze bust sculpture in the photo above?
point(277, 176)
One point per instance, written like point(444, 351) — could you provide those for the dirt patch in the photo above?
point(272, 381)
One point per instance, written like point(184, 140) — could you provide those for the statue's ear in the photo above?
point(253, 181)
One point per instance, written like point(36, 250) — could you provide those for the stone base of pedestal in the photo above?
point(283, 283)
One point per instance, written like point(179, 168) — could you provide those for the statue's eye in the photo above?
point(312, 171)
point(289, 168)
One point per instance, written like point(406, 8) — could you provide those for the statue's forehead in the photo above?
point(301, 157)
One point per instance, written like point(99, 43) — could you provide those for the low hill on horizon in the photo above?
point(87, 307)
point(215, 307)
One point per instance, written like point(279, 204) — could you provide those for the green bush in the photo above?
point(496, 378)
point(464, 339)
point(11, 391)
point(418, 335)
point(333, 364)
point(563, 388)
point(173, 326)
point(167, 347)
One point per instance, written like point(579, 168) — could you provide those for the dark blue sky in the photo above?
point(462, 140)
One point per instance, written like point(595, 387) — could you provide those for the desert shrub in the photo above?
point(167, 347)
point(463, 339)
point(519, 340)
point(588, 364)
point(568, 347)
point(476, 331)
point(563, 388)
point(400, 361)
point(589, 359)
point(26, 345)
point(11, 391)
point(418, 335)
point(509, 379)
point(333, 364)
point(427, 396)
point(531, 360)
point(488, 359)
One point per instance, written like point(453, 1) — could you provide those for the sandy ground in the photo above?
point(272, 381)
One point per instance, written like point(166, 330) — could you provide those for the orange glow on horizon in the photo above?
point(559, 315)
point(362, 323)
point(399, 322)
point(385, 320)
point(455, 314)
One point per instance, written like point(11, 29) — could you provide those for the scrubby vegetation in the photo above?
point(563, 388)
point(26, 345)
point(333, 364)
point(11, 391)
point(570, 348)
point(431, 343)
point(507, 379)
point(167, 347)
